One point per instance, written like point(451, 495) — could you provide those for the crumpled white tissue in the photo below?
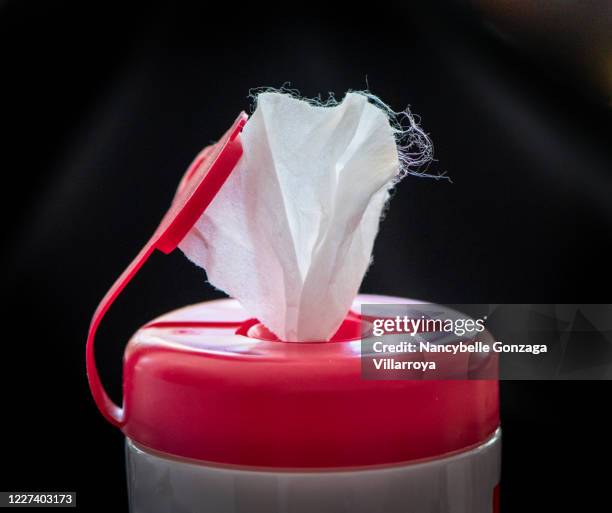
point(290, 234)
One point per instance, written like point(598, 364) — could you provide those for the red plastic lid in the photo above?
point(198, 385)
point(199, 185)
point(207, 383)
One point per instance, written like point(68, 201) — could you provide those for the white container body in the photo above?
point(461, 483)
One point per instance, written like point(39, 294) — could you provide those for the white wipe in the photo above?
point(290, 233)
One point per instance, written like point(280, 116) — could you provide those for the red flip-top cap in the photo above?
point(202, 383)
point(199, 185)
point(209, 384)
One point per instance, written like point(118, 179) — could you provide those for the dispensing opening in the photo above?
point(352, 328)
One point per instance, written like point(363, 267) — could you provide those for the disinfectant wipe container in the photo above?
point(219, 420)
point(220, 416)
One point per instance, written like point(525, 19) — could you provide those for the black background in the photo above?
point(104, 107)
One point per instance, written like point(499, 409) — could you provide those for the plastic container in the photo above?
point(220, 421)
point(221, 417)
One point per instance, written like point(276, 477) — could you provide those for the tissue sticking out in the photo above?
point(290, 234)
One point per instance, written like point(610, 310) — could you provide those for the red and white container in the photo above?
point(221, 417)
